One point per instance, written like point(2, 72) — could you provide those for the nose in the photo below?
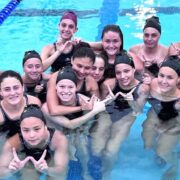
point(82, 70)
point(31, 134)
point(122, 75)
point(12, 91)
point(97, 71)
point(66, 28)
point(149, 37)
point(164, 80)
point(111, 44)
point(66, 90)
point(34, 69)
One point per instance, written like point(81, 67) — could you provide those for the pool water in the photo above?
point(33, 24)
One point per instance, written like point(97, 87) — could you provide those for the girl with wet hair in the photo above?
point(163, 120)
point(75, 125)
point(128, 94)
point(112, 44)
point(82, 61)
point(36, 150)
point(13, 102)
point(35, 81)
point(58, 54)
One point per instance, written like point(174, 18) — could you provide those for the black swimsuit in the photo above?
point(72, 116)
point(120, 107)
point(165, 110)
point(10, 126)
point(62, 61)
point(41, 95)
point(83, 90)
point(110, 72)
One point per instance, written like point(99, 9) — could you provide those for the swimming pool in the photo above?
point(34, 24)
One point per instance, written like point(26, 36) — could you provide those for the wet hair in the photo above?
point(81, 44)
point(11, 73)
point(116, 29)
point(32, 110)
point(172, 62)
point(67, 73)
point(82, 52)
point(31, 54)
point(153, 22)
point(124, 58)
point(70, 15)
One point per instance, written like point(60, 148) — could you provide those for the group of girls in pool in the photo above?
point(94, 92)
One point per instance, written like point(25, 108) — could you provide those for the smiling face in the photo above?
point(82, 66)
point(66, 91)
point(111, 43)
point(167, 79)
point(151, 37)
point(33, 69)
point(11, 90)
point(67, 28)
point(98, 69)
point(124, 74)
point(33, 131)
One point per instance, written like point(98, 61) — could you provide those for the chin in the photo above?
point(66, 37)
point(111, 53)
point(14, 102)
point(165, 90)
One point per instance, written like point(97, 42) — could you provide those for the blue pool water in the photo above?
point(34, 24)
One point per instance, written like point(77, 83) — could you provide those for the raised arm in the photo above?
point(9, 160)
point(77, 122)
point(48, 56)
point(106, 86)
point(143, 93)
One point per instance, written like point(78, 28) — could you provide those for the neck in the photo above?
point(80, 83)
point(151, 50)
point(111, 59)
point(70, 103)
point(28, 80)
point(132, 84)
point(170, 94)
